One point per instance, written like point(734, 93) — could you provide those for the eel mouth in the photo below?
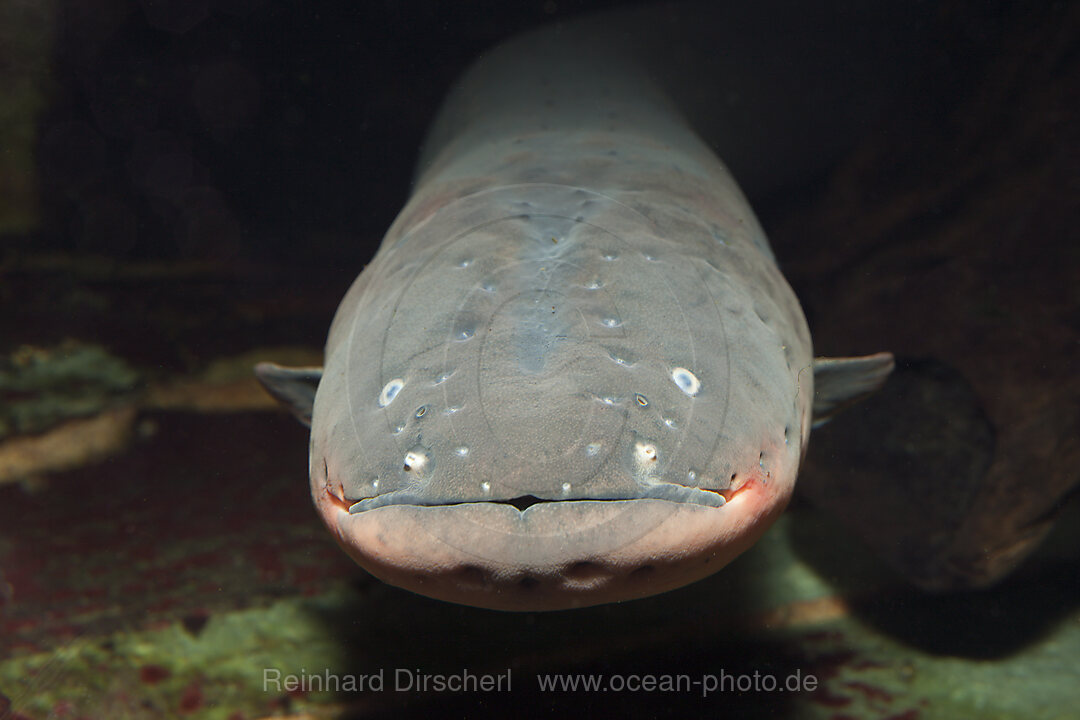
point(704, 497)
point(529, 554)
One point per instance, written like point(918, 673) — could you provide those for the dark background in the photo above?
point(248, 128)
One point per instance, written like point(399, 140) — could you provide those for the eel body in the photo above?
point(573, 373)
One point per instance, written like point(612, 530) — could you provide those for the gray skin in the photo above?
point(573, 373)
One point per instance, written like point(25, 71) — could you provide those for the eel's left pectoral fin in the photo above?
point(839, 382)
point(292, 387)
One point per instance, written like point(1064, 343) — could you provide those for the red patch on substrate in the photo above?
point(192, 699)
point(62, 709)
point(823, 697)
point(311, 579)
point(871, 692)
point(267, 558)
point(829, 665)
point(153, 674)
point(912, 714)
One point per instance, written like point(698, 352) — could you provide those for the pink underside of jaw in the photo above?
point(496, 564)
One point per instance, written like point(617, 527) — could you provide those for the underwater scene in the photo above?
point(459, 359)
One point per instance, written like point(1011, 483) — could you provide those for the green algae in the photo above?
point(213, 673)
point(41, 387)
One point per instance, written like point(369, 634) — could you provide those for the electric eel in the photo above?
point(573, 373)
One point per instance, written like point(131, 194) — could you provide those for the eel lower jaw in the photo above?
point(551, 555)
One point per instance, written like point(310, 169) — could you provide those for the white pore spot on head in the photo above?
point(644, 453)
point(390, 391)
point(686, 380)
point(415, 460)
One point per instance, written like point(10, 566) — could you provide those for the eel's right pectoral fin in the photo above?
point(292, 387)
